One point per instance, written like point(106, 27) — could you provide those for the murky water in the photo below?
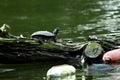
point(77, 19)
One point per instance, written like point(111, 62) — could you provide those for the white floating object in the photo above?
point(61, 72)
point(5, 70)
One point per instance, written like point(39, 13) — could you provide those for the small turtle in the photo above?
point(45, 35)
point(5, 28)
point(4, 31)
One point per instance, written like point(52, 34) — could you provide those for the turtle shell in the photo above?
point(43, 33)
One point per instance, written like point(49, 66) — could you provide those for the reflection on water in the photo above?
point(25, 71)
point(99, 69)
point(100, 72)
point(87, 77)
point(105, 23)
point(77, 19)
point(72, 77)
point(38, 72)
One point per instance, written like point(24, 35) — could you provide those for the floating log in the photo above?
point(93, 50)
point(93, 53)
point(28, 50)
point(20, 50)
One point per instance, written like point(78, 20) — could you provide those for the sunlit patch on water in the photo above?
point(110, 4)
point(22, 17)
point(105, 24)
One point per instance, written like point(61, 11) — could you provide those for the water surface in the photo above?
point(77, 19)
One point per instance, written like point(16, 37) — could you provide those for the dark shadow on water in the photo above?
point(30, 71)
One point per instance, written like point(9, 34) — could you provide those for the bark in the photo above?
point(13, 50)
point(27, 50)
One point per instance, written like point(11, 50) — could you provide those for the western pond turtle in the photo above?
point(43, 36)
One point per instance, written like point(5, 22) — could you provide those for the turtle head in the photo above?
point(5, 28)
point(55, 31)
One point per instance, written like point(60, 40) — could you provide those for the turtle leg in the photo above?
point(54, 39)
point(40, 40)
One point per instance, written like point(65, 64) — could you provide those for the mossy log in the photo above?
point(93, 50)
point(106, 44)
point(28, 50)
point(93, 53)
point(13, 50)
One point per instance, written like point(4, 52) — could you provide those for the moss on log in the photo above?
point(28, 50)
point(20, 50)
point(93, 50)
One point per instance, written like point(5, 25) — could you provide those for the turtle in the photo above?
point(4, 31)
point(5, 28)
point(44, 36)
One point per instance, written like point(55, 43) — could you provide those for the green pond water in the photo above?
point(77, 19)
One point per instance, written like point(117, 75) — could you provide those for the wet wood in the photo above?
point(30, 50)
point(93, 50)
point(24, 50)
